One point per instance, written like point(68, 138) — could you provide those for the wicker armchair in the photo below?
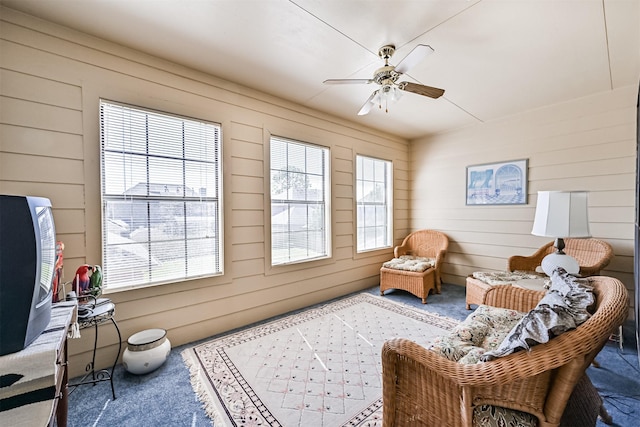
point(422, 388)
point(592, 255)
point(421, 243)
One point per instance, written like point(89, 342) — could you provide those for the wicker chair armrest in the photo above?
point(523, 263)
point(401, 250)
point(529, 262)
point(504, 370)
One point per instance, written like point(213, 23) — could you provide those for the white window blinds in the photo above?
point(299, 201)
point(373, 203)
point(160, 196)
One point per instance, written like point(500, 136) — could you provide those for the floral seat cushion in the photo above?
point(482, 331)
point(410, 263)
point(504, 277)
point(496, 416)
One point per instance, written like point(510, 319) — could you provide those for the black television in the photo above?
point(27, 261)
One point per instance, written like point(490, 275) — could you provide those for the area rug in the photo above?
point(318, 367)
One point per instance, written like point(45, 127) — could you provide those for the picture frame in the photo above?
point(498, 183)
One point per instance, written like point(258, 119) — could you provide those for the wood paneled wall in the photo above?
point(52, 80)
point(587, 144)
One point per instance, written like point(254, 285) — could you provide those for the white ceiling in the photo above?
point(494, 58)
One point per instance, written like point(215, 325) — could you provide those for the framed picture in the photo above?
point(503, 183)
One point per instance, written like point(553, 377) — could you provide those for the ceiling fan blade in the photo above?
point(431, 92)
point(416, 55)
point(347, 81)
point(367, 105)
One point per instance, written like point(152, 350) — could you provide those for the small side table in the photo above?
point(100, 313)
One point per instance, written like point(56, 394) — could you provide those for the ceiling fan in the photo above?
point(387, 77)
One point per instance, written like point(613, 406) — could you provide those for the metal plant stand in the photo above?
point(98, 314)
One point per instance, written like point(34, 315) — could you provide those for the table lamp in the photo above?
point(561, 214)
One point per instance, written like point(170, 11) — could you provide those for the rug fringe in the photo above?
point(199, 387)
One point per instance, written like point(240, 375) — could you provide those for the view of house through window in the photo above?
point(300, 214)
point(160, 196)
point(373, 200)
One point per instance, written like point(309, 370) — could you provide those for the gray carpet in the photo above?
point(165, 397)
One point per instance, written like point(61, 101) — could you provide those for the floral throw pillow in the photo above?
point(564, 307)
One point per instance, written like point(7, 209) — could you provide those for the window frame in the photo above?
point(216, 169)
point(388, 204)
point(327, 204)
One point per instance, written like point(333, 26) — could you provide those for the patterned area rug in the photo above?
point(318, 367)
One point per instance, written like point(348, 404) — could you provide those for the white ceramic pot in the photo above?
point(146, 351)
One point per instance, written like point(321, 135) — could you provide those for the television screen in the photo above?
point(27, 262)
point(48, 251)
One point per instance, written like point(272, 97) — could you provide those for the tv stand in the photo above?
point(37, 393)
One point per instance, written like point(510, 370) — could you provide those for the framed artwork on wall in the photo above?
point(500, 183)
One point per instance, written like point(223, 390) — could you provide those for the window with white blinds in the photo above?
point(300, 196)
point(160, 197)
point(373, 203)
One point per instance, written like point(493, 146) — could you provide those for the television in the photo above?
point(27, 261)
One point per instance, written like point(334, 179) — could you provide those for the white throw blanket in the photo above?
point(29, 376)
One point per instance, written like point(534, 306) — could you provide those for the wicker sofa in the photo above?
point(592, 255)
point(422, 388)
point(430, 244)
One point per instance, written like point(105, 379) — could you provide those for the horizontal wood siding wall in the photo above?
point(587, 144)
point(52, 80)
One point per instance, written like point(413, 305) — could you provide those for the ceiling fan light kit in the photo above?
point(387, 78)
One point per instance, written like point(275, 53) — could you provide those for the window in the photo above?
point(160, 197)
point(299, 201)
point(373, 200)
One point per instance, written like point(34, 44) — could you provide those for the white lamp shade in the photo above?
point(561, 214)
